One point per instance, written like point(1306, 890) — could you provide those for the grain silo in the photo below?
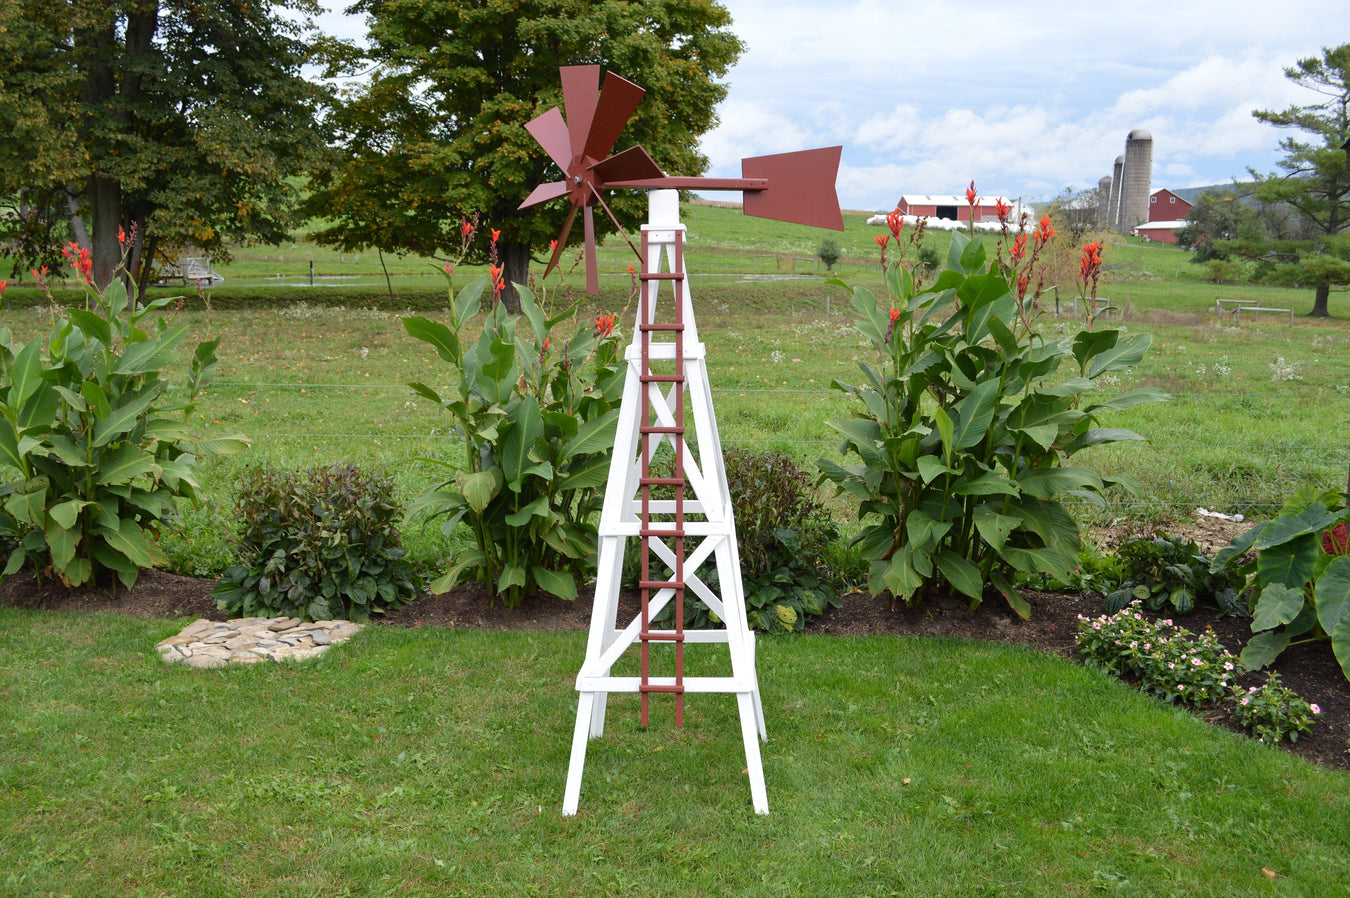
point(1135, 188)
point(1113, 202)
point(1103, 201)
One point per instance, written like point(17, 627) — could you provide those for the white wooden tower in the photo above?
point(675, 538)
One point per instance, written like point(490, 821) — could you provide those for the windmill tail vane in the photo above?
point(793, 187)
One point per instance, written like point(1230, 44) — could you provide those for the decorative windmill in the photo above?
point(668, 493)
point(580, 146)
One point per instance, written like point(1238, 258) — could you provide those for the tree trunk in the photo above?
point(105, 216)
point(1319, 309)
point(515, 259)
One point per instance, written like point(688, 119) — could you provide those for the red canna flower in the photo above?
point(971, 196)
point(882, 239)
point(465, 229)
point(1336, 541)
point(1003, 210)
point(1092, 260)
point(1043, 232)
point(630, 269)
point(1019, 248)
point(498, 282)
point(553, 246)
point(604, 325)
point(3, 285)
point(895, 314)
point(449, 269)
point(121, 236)
point(896, 222)
point(546, 342)
point(496, 232)
point(1022, 283)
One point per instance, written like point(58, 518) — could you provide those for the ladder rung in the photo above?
point(661, 378)
point(660, 584)
point(662, 481)
point(658, 636)
point(649, 532)
point(651, 687)
point(661, 327)
point(661, 276)
point(661, 429)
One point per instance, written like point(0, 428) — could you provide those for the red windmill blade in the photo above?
point(580, 144)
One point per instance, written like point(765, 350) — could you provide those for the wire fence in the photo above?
point(1182, 467)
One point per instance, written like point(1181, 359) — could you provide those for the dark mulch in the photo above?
point(1310, 670)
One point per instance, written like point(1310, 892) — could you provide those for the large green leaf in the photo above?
point(150, 355)
point(28, 502)
point(469, 301)
point(67, 513)
point(1046, 483)
point(122, 419)
point(1263, 648)
point(863, 435)
point(444, 340)
point(25, 373)
point(591, 473)
point(92, 324)
point(925, 530)
point(1278, 605)
point(961, 573)
point(1130, 399)
point(1288, 562)
point(124, 464)
point(595, 435)
point(523, 426)
point(1333, 593)
point(1124, 354)
point(994, 527)
point(480, 487)
point(61, 542)
point(559, 583)
point(129, 540)
point(1340, 644)
point(1313, 519)
point(539, 508)
point(974, 414)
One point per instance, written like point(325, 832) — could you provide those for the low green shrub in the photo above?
point(1273, 712)
point(1162, 570)
point(317, 545)
point(1168, 661)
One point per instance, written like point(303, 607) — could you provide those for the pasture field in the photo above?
point(318, 375)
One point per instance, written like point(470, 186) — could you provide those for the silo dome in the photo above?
point(1140, 134)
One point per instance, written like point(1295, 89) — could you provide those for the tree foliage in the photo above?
point(1314, 177)
point(183, 117)
point(434, 131)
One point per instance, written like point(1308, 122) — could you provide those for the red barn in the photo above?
point(1167, 214)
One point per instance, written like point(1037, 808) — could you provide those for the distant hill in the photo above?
point(1190, 194)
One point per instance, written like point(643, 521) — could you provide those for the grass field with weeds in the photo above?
point(431, 762)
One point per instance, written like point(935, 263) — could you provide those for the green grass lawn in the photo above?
point(412, 762)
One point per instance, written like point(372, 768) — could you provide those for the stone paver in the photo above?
point(248, 640)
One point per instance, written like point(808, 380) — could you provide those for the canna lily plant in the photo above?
point(960, 451)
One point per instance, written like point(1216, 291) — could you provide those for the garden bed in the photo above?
point(1310, 670)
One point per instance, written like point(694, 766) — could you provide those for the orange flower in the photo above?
point(496, 232)
point(895, 314)
point(546, 342)
point(881, 240)
point(1019, 247)
point(896, 222)
point(1092, 260)
point(1044, 232)
point(1022, 283)
point(449, 269)
point(3, 285)
point(970, 194)
point(465, 229)
point(121, 236)
point(498, 282)
point(1003, 210)
point(604, 325)
point(553, 246)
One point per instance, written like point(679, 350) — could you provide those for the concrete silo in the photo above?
point(1113, 201)
point(1103, 200)
point(1136, 186)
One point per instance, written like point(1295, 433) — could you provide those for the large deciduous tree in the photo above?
point(434, 131)
point(183, 117)
point(1315, 179)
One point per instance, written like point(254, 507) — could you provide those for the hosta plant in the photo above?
point(94, 444)
point(535, 414)
point(959, 453)
point(1299, 577)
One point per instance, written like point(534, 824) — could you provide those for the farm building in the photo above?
point(1167, 214)
point(945, 212)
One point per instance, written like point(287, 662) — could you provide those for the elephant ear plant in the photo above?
point(1299, 577)
point(959, 455)
point(535, 415)
point(94, 445)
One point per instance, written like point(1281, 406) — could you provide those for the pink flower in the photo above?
point(1315, 708)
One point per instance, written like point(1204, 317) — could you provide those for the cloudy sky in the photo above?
point(1025, 98)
